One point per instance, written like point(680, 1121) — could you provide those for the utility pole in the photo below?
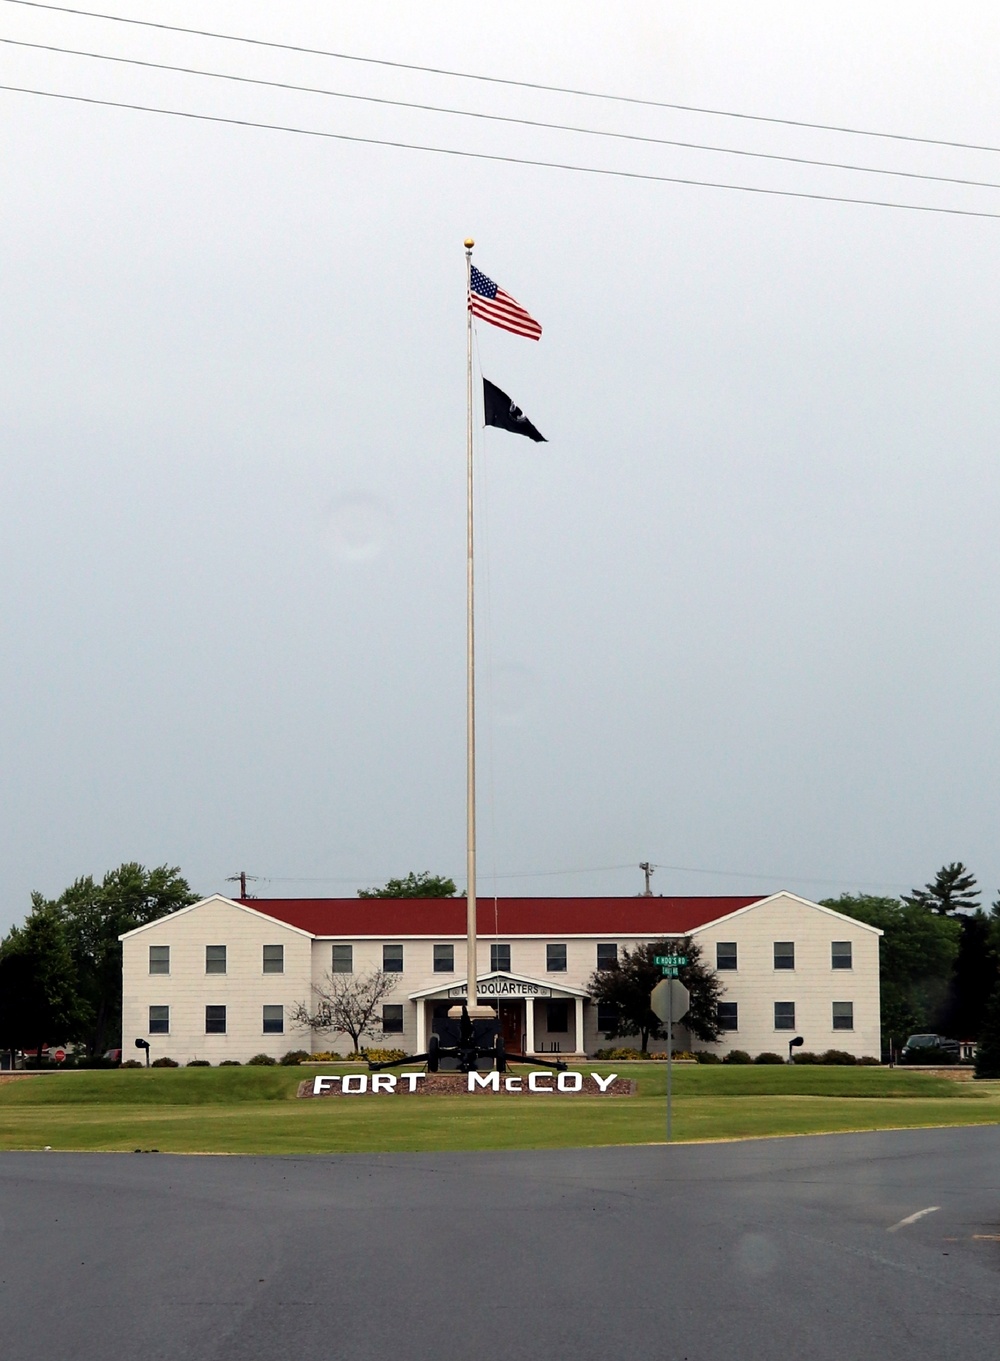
point(647, 870)
point(241, 878)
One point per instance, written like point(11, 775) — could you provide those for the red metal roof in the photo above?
point(388, 917)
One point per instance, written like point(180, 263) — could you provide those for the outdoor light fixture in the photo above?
point(797, 1043)
point(144, 1044)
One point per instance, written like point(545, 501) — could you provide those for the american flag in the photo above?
point(491, 303)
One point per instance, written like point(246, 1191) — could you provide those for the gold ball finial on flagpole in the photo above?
point(469, 243)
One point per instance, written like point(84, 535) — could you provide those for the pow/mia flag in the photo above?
point(499, 410)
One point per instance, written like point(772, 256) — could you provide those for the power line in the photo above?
point(498, 117)
point(504, 81)
point(774, 878)
point(494, 157)
point(608, 869)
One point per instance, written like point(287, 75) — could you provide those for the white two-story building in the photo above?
point(222, 978)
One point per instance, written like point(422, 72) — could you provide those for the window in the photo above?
point(843, 1015)
point(159, 1020)
point(784, 954)
point(274, 1020)
point(607, 1017)
point(444, 959)
point(215, 1020)
point(215, 959)
point(500, 958)
point(159, 959)
point(392, 1019)
point(342, 959)
point(841, 956)
point(607, 956)
point(784, 1015)
point(557, 1017)
point(274, 959)
point(392, 958)
point(729, 1015)
point(555, 958)
point(725, 956)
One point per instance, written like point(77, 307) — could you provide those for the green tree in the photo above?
point(975, 977)
point(626, 988)
point(917, 954)
point(988, 1048)
point(423, 885)
point(39, 999)
point(95, 916)
point(952, 890)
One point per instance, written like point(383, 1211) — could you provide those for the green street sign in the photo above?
point(668, 972)
point(671, 961)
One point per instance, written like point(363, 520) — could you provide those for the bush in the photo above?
point(768, 1056)
point(132, 1063)
point(707, 1056)
point(293, 1057)
point(164, 1063)
point(806, 1056)
point(230, 1063)
point(325, 1056)
point(197, 1063)
point(377, 1055)
point(621, 1054)
point(262, 1061)
point(737, 1056)
point(869, 1061)
point(837, 1057)
point(988, 1047)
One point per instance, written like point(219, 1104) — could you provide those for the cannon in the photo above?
point(469, 1049)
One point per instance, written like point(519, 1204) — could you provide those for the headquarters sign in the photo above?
point(502, 985)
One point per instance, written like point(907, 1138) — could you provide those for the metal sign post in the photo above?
point(670, 1060)
point(670, 995)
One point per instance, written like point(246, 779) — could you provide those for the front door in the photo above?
point(510, 1026)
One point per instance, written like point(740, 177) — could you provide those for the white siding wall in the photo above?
point(813, 985)
point(244, 990)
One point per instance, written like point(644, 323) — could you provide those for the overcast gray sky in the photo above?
point(738, 615)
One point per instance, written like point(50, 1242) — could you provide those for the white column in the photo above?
point(579, 1026)
point(421, 1025)
point(529, 1025)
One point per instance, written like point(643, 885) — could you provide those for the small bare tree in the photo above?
point(346, 1003)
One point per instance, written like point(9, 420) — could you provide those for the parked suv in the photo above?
point(928, 1048)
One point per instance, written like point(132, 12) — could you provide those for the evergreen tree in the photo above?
point(988, 1048)
point(952, 890)
point(975, 977)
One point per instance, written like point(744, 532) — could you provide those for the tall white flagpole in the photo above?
point(470, 682)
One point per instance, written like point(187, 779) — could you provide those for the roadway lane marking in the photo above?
point(912, 1219)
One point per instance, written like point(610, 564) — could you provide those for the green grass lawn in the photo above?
point(255, 1110)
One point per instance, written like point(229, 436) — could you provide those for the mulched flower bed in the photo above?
point(457, 1084)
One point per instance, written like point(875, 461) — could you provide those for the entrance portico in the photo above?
point(526, 1027)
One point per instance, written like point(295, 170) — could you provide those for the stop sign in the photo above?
point(59, 1055)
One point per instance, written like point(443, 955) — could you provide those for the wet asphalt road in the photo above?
point(727, 1252)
